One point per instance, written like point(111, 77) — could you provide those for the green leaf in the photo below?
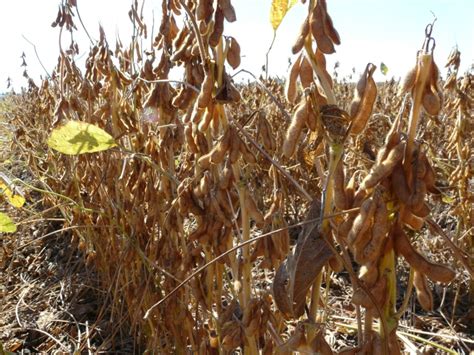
point(77, 137)
point(383, 68)
point(6, 224)
point(279, 10)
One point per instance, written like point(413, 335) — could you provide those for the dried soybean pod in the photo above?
point(180, 52)
point(364, 99)
point(197, 113)
point(228, 10)
point(247, 154)
point(175, 6)
point(435, 272)
point(204, 10)
point(423, 291)
point(233, 54)
point(227, 177)
point(409, 81)
point(321, 62)
point(291, 82)
point(412, 221)
point(431, 102)
point(204, 97)
point(184, 200)
point(306, 73)
point(188, 133)
point(454, 58)
point(422, 210)
point(218, 30)
point(378, 291)
point(369, 273)
point(265, 131)
point(180, 38)
point(294, 130)
point(221, 148)
point(382, 170)
point(350, 191)
point(434, 77)
point(430, 177)
point(371, 251)
point(217, 210)
point(253, 210)
point(234, 147)
point(274, 207)
point(450, 82)
point(299, 44)
point(202, 189)
point(340, 198)
point(215, 123)
point(399, 184)
point(316, 23)
point(345, 227)
point(392, 138)
point(363, 220)
point(330, 30)
point(206, 118)
point(204, 161)
point(312, 118)
point(417, 198)
point(224, 202)
point(336, 264)
point(201, 142)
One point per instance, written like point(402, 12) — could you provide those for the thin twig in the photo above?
point(37, 55)
point(268, 53)
point(82, 24)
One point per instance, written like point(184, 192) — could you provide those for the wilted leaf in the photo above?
point(383, 68)
point(6, 224)
point(77, 137)
point(311, 254)
point(280, 291)
point(294, 277)
point(279, 10)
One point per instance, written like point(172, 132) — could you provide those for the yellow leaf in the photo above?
point(6, 224)
point(279, 10)
point(448, 199)
point(14, 199)
point(77, 137)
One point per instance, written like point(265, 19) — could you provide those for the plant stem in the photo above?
point(424, 66)
point(408, 292)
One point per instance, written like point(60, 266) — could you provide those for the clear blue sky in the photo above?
point(371, 31)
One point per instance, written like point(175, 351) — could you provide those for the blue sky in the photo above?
point(371, 31)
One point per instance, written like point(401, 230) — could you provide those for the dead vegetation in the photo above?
point(255, 217)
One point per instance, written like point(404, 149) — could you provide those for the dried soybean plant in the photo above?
point(179, 190)
point(390, 203)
